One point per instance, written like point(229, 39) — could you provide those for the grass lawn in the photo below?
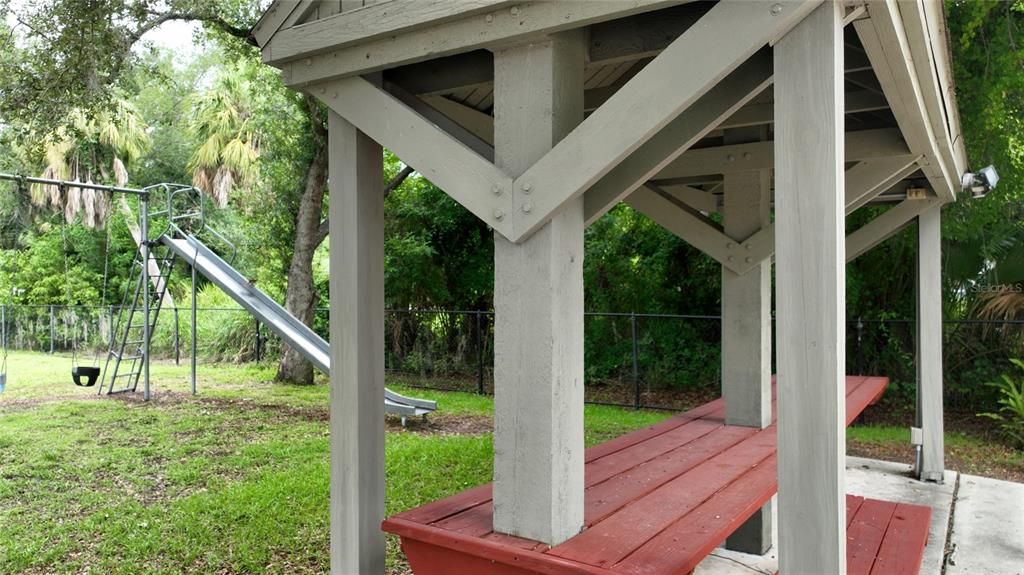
point(234, 480)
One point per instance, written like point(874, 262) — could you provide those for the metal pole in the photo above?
point(860, 347)
point(110, 326)
point(193, 330)
point(479, 353)
point(177, 342)
point(636, 367)
point(53, 334)
point(3, 325)
point(258, 342)
point(144, 226)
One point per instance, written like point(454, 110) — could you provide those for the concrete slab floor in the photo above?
point(988, 525)
point(988, 528)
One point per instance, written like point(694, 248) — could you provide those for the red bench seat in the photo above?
point(657, 500)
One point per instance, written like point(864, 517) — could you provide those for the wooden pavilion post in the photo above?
point(931, 463)
point(538, 302)
point(357, 350)
point(747, 331)
point(810, 298)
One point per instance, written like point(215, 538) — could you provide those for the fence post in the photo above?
point(53, 328)
point(860, 347)
point(636, 367)
point(110, 327)
point(479, 353)
point(259, 340)
point(3, 325)
point(177, 343)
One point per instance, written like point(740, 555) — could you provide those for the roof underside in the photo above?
point(318, 41)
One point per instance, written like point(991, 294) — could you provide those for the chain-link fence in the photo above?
point(631, 359)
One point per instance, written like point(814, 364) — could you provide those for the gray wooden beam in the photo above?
point(885, 42)
point(484, 149)
point(696, 229)
point(348, 49)
point(463, 174)
point(885, 225)
point(869, 178)
point(357, 350)
point(810, 294)
point(859, 146)
point(931, 463)
point(729, 34)
point(700, 200)
point(538, 305)
point(720, 102)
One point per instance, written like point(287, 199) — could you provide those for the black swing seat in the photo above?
point(91, 374)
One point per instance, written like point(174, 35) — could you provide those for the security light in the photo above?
point(980, 183)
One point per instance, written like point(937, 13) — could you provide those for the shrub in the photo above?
point(1011, 401)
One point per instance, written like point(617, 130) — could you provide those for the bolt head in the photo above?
point(489, 18)
point(527, 207)
point(749, 260)
point(514, 10)
point(496, 189)
point(776, 9)
point(730, 245)
point(527, 187)
point(498, 214)
point(731, 158)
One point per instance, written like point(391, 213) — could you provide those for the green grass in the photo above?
point(234, 480)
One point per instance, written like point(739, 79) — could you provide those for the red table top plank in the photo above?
point(608, 542)
point(865, 533)
point(688, 540)
point(902, 549)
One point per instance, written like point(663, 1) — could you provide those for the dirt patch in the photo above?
point(991, 460)
point(439, 423)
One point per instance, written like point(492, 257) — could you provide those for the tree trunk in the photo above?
point(301, 297)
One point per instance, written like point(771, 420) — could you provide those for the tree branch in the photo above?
point(211, 19)
point(323, 230)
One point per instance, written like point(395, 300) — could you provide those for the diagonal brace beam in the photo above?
point(463, 174)
point(725, 37)
point(714, 107)
point(885, 225)
point(871, 177)
point(700, 232)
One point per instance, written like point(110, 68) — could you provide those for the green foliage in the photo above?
point(1011, 401)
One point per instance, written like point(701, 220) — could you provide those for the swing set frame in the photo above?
point(144, 197)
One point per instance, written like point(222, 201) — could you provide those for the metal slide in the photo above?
point(300, 337)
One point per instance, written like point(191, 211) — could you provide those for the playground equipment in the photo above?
point(181, 218)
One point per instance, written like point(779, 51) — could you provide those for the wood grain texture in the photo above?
point(929, 344)
point(811, 293)
point(670, 486)
point(357, 352)
point(729, 34)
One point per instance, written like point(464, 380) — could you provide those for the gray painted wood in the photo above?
point(700, 231)
point(746, 307)
point(492, 30)
point(929, 344)
point(886, 44)
point(463, 174)
point(729, 34)
point(811, 294)
point(357, 350)
point(859, 146)
point(538, 303)
point(721, 101)
point(885, 225)
point(869, 178)
point(747, 334)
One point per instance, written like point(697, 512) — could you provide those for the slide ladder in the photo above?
point(295, 333)
point(126, 355)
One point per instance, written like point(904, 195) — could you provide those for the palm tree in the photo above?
point(96, 149)
point(229, 150)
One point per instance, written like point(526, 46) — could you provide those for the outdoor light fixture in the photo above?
point(980, 183)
